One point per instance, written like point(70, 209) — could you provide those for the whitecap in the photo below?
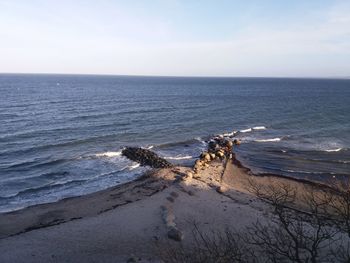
point(109, 154)
point(150, 147)
point(229, 134)
point(246, 130)
point(186, 157)
point(134, 166)
point(259, 128)
point(334, 150)
point(201, 141)
point(303, 172)
point(269, 140)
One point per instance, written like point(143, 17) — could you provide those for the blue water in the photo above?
point(61, 135)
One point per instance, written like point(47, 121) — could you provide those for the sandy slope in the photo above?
point(118, 223)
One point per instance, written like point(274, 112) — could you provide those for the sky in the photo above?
point(256, 38)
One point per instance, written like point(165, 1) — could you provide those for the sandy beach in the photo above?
point(125, 222)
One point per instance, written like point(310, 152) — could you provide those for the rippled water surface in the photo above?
point(61, 135)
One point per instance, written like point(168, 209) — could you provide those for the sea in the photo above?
point(61, 135)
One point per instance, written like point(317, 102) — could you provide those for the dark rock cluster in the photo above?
point(145, 157)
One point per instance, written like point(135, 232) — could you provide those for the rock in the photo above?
point(229, 144)
point(175, 234)
point(220, 154)
point(212, 145)
point(212, 156)
point(189, 175)
point(169, 219)
point(170, 199)
point(207, 157)
point(221, 189)
point(196, 176)
point(191, 193)
point(145, 157)
point(236, 142)
point(174, 194)
point(206, 165)
point(132, 260)
point(198, 163)
point(202, 155)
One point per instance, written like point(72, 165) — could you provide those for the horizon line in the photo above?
point(172, 76)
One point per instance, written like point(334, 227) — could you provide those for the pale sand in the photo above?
point(117, 223)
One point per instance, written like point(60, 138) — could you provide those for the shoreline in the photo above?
point(127, 220)
point(40, 216)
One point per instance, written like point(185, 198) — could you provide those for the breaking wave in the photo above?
point(186, 157)
point(259, 128)
point(246, 130)
point(269, 140)
point(334, 150)
point(134, 166)
point(109, 154)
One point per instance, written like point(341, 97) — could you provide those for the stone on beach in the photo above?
point(189, 175)
point(207, 157)
point(236, 142)
point(175, 234)
point(221, 189)
point(220, 154)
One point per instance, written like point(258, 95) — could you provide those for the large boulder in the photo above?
point(145, 157)
point(175, 234)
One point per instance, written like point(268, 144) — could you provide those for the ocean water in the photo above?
point(61, 135)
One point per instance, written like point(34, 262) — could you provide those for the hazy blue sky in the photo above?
point(213, 38)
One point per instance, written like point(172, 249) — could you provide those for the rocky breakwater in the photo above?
point(219, 148)
point(145, 157)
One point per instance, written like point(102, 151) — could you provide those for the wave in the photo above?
point(334, 150)
point(259, 128)
point(36, 164)
point(149, 147)
point(256, 128)
point(49, 186)
point(269, 140)
point(181, 143)
point(62, 144)
point(246, 130)
point(134, 166)
point(229, 134)
point(303, 172)
point(109, 154)
point(307, 172)
point(186, 157)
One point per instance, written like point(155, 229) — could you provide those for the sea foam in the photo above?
point(186, 157)
point(246, 130)
point(109, 154)
point(259, 128)
point(269, 140)
point(334, 150)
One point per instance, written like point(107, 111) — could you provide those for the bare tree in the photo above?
point(307, 226)
point(211, 247)
point(339, 198)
